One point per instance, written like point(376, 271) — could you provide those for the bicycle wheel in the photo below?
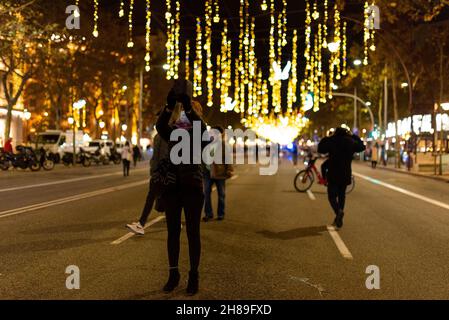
point(351, 187)
point(303, 181)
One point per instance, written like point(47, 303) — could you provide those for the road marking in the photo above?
point(42, 205)
point(66, 181)
point(339, 243)
point(131, 234)
point(311, 195)
point(234, 177)
point(403, 191)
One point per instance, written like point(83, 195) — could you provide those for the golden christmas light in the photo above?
point(121, 12)
point(148, 36)
point(187, 62)
point(197, 68)
point(130, 24)
point(95, 32)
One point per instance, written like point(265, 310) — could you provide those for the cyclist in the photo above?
point(341, 147)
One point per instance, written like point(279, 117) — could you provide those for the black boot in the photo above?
point(173, 280)
point(192, 285)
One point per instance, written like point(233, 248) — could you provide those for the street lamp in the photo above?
point(445, 106)
point(124, 127)
point(102, 124)
point(71, 121)
point(357, 62)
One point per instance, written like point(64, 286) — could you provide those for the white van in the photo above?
point(56, 142)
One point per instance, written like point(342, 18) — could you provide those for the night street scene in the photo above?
point(224, 150)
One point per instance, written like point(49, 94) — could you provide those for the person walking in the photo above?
point(374, 155)
point(217, 174)
point(160, 155)
point(340, 147)
point(185, 192)
point(136, 155)
point(126, 158)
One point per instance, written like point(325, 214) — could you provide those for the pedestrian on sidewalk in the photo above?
point(126, 158)
point(341, 147)
point(374, 155)
point(160, 155)
point(136, 154)
point(185, 192)
point(7, 148)
point(216, 174)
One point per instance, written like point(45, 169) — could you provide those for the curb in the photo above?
point(415, 174)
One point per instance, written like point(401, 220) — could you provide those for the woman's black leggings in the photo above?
point(126, 164)
point(192, 203)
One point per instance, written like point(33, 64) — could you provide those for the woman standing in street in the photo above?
point(126, 158)
point(186, 190)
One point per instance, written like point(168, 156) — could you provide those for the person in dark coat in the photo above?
point(186, 192)
point(341, 147)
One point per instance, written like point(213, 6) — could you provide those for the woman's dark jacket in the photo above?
point(187, 175)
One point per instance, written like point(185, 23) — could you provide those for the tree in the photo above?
point(22, 38)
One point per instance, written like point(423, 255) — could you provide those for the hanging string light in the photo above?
point(130, 24)
point(121, 12)
point(292, 84)
point(208, 49)
point(148, 36)
point(176, 36)
point(337, 40)
point(197, 67)
point(187, 63)
point(225, 71)
point(325, 22)
point(217, 11)
point(272, 52)
point(345, 50)
point(95, 32)
point(366, 33)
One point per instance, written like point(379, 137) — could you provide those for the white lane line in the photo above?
point(344, 251)
point(66, 181)
point(403, 191)
point(311, 195)
point(42, 205)
point(131, 234)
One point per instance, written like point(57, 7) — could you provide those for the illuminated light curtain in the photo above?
point(306, 86)
point(121, 12)
point(197, 68)
point(344, 70)
point(366, 34)
point(187, 62)
point(177, 27)
point(325, 22)
point(170, 45)
point(130, 24)
point(217, 11)
point(208, 49)
point(225, 68)
point(95, 32)
point(148, 36)
point(293, 81)
point(337, 39)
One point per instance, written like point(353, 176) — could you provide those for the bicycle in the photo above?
point(305, 178)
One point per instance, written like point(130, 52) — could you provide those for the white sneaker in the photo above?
point(136, 227)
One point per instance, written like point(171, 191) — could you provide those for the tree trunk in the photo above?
point(395, 112)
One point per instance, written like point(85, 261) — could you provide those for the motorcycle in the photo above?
point(82, 157)
point(23, 159)
point(99, 157)
point(46, 159)
point(115, 157)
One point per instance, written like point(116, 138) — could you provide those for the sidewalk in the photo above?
point(430, 175)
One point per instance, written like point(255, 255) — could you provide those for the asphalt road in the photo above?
point(274, 243)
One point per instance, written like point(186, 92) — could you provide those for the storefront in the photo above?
point(429, 138)
point(16, 132)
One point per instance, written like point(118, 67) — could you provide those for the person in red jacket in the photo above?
point(8, 146)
